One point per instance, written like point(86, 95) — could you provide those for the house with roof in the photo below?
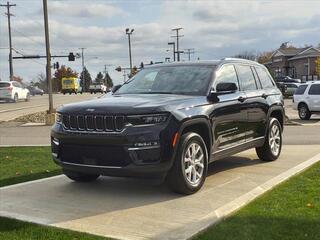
point(294, 62)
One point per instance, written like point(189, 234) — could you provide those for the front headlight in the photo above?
point(147, 119)
point(58, 118)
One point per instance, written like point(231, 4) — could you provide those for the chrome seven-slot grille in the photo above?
point(93, 123)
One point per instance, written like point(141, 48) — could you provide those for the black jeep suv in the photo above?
point(171, 121)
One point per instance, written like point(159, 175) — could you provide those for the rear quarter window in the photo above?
point(314, 89)
point(300, 90)
point(4, 84)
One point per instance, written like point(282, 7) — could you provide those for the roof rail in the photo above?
point(236, 59)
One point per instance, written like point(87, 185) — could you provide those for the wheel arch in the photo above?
point(278, 113)
point(200, 126)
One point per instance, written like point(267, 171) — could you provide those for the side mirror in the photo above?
point(221, 89)
point(115, 88)
point(225, 88)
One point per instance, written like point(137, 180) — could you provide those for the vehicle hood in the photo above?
point(134, 104)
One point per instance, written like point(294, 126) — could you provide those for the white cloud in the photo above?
point(214, 28)
point(84, 9)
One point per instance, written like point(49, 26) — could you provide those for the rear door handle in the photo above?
point(241, 99)
point(264, 96)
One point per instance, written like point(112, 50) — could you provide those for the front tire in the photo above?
point(27, 98)
point(80, 177)
point(271, 149)
point(189, 169)
point(304, 113)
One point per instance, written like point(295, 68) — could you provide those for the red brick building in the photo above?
point(294, 62)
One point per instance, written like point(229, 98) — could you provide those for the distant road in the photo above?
point(9, 111)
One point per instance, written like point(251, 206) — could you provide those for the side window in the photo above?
point(264, 77)
point(301, 89)
point(246, 78)
point(226, 74)
point(314, 89)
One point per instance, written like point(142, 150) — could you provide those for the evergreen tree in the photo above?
point(107, 80)
point(85, 79)
point(99, 78)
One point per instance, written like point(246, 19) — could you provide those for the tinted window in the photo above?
point(314, 89)
point(246, 78)
point(4, 84)
point(256, 77)
point(300, 90)
point(226, 74)
point(188, 80)
point(264, 77)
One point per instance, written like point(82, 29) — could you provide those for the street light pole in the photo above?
point(129, 33)
point(48, 54)
point(174, 50)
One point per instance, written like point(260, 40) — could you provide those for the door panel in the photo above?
point(228, 116)
point(257, 110)
point(228, 122)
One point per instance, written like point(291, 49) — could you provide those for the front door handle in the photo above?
point(241, 99)
point(264, 96)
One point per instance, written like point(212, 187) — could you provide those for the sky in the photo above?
point(215, 29)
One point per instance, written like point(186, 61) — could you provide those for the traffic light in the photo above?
point(56, 65)
point(71, 57)
point(118, 69)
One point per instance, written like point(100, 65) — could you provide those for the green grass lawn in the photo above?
point(17, 230)
point(290, 211)
point(21, 164)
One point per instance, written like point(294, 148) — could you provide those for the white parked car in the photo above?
point(306, 99)
point(13, 91)
point(97, 87)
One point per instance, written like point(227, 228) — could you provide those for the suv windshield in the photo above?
point(186, 80)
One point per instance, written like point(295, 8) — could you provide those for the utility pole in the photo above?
point(8, 5)
point(189, 51)
point(46, 29)
point(129, 33)
point(82, 58)
point(177, 36)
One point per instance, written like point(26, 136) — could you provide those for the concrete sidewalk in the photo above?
point(135, 209)
point(13, 134)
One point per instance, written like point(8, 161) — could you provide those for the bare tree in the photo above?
point(249, 55)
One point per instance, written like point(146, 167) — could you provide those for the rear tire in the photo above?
point(271, 149)
point(190, 166)
point(80, 177)
point(304, 113)
point(15, 98)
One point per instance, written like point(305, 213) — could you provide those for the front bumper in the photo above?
point(136, 151)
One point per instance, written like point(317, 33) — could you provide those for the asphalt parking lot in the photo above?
point(138, 209)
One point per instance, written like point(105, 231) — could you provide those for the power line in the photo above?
point(24, 35)
point(8, 5)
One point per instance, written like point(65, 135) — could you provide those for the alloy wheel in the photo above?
point(193, 161)
point(275, 139)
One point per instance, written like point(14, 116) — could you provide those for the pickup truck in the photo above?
point(97, 87)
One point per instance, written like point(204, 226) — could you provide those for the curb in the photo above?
point(26, 145)
point(229, 208)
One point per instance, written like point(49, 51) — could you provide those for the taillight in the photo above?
point(10, 88)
